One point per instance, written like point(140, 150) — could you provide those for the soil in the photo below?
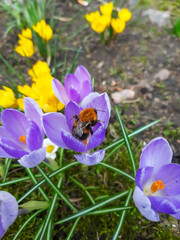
point(131, 61)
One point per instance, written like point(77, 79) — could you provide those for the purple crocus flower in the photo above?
point(157, 181)
point(76, 86)
point(21, 135)
point(8, 211)
point(58, 127)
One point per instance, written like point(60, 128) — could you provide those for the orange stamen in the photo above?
point(157, 185)
point(23, 139)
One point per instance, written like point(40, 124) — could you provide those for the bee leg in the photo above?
point(75, 117)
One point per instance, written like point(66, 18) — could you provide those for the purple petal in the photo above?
point(82, 74)
point(3, 133)
point(60, 91)
point(143, 175)
point(12, 148)
point(33, 159)
point(73, 143)
point(14, 122)
point(170, 175)
point(2, 231)
point(8, 209)
point(54, 124)
point(33, 111)
point(101, 103)
point(72, 86)
point(92, 158)
point(144, 205)
point(168, 205)
point(177, 215)
point(86, 89)
point(96, 138)
point(71, 109)
point(34, 137)
point(156, 154)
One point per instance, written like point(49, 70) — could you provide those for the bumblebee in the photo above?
point(82, 127)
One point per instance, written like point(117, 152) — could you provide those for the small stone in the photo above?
point(163, 74)
point(161, 18)
point(100, 64)
point(119, 97)
point(104, 83)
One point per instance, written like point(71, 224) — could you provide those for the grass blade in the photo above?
point(126, 139)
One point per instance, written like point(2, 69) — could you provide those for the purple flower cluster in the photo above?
point(157, 181)
point(21, 135)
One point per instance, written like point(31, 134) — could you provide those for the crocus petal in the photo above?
point(167, 205)
point(14, 122)
point(177, 215)
point(86, 89)
point(33, 111)
point(2, 231)
point(3, 133)
point(71, 109)
point(34, 137)
point(12, 148)
point(101, 104)
point(88, 98)
point(33, 159)
point(144, 205)
point(82, 74)
point(96, 138)
point(54, 123)
point(73, 143)
point(92, 158)
point(8, 209)
point(143, 175)
point(72, 86)
point(60, 91)
point(170, 175)
point(156, 154)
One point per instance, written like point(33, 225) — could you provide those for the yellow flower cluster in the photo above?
point(99, 22)
point(7, 98)
point(44, 30)
point(41, 89)
point(25, 45)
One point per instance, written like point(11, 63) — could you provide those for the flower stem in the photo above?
point(33, 178)
point(47, 179)
point(122, 216)
point(116, 170)
point(49, 176)
point(93, 207)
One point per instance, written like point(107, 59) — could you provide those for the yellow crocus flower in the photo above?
point(124, 14)
point(7, 98)
point(118, 25)
point(107, 8)
point(44, 30)
point(28, 91)
point(25, 45)
point(92, 16)
point(99, 24)
point(26, 33)
point(39, 69)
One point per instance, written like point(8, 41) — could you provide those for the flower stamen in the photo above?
point(23, 139)
point(49, 148)
point(157, 185)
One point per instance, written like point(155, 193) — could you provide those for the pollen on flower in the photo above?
point(23, 139)
point(49, 148)
point(157, 185)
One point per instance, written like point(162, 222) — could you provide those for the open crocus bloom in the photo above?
point(157, 181)
point(76, 86)
point(22, 134)
point(8, 211)
point(58, 127)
